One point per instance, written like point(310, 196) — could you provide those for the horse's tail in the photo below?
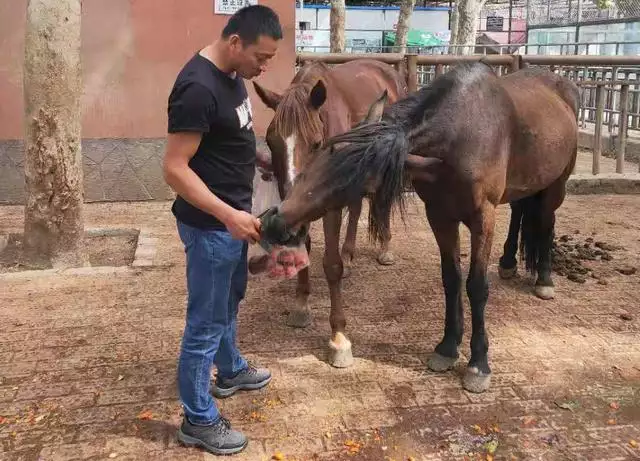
point(372, 162)
point(530, 230)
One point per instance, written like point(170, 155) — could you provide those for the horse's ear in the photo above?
point(376, 109)
point(269, 98)
point(318, 95)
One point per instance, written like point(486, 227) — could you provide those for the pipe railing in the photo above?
point(609, 101)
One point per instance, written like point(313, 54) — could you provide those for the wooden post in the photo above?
point(412, 72)
point(597, 136)
point(622, 127)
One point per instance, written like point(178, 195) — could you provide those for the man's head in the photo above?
point(252, 36)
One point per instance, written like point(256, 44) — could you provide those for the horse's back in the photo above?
point(545, 132)
point(357, 84)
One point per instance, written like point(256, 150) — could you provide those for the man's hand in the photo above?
point(243, 226)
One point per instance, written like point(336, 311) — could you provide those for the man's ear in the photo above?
point(422, 168)
point(377, 108)
point(268, 97)
point(318, 95)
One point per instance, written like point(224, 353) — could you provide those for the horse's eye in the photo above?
point(316, 146)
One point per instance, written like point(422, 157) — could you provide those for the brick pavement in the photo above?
point(87, 362)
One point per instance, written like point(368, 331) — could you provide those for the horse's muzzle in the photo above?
point(274, 231)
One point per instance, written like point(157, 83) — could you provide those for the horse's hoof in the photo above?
point(299, 318)
point(386, 259)
point(340, 355)
point(476, 381)
point(544, 292)
point(507, 274)
point(440, 363)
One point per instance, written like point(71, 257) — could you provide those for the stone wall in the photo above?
point(114, 170)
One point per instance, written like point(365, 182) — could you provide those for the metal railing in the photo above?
point(610, 86)
point(547, 49)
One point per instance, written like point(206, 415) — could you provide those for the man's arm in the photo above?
point(181, 147)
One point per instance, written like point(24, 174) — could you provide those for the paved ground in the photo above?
point(87, 363)
point(584, 164)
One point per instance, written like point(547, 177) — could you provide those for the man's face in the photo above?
point(252, 60)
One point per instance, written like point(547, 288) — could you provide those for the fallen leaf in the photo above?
point(614, 405)
point(611, 422)
point(477, 428)
point(113, 455)
point(278, 456)
point(491, 446)
point(40, 418)
point(411, 458)
point(14, 434)
point(327, 435)
point(489, 458)
point(145, 415)
point(120, 378)
point(529, 421)
point(2, 419)
point(633, 444)
point(568, 405)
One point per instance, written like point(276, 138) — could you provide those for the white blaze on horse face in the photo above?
point(290, 142)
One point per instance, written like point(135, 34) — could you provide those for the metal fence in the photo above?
point(608, 48)
point(610, 86)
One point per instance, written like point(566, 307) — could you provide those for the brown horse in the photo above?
point(469, 142)
point(322, 102)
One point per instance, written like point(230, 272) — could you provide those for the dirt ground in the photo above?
point(87, 361)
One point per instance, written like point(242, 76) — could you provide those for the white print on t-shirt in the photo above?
point(245, 115)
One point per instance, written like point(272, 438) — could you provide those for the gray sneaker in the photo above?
point(249, 379)
point(218, 438)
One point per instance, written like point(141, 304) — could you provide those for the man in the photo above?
point(210, 162)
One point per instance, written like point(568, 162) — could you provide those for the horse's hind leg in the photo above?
point(508, 267)
point(550, 200)
point(478, 375)
point(448, 237)
point(349, 245)
point(385, 256)
point(339, 346)
point(300, 315)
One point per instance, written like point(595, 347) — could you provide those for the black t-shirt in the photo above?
point(204, 99)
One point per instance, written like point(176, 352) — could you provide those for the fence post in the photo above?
point(622, 126)
point(597, 135)
point(412, 72)
point(515, 63)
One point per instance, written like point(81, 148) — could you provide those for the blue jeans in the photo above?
point(216, 283)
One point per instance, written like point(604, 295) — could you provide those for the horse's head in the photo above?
point(296, 129)
point(372, 159)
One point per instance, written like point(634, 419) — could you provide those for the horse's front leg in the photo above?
point(349, 245)
point(300, 315)
point(339, 346)
point(447, 235)
point(478, 375)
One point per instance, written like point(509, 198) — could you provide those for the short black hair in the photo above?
point(253, 21)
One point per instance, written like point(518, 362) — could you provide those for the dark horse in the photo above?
point(468, 142)
point(322, 102)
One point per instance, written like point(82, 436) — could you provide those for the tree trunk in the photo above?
point(402, 29)
point(467, 31)
point(454, 30)
point(53, 227)
point(336, 20)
